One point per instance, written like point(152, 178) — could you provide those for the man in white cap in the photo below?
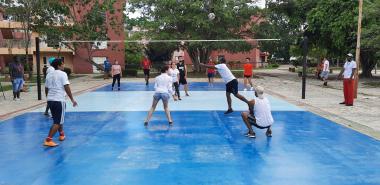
point(259, 114)
point(348, 72)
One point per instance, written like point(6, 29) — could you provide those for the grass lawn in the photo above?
point(7, 87)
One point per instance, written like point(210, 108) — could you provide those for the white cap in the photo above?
point(350, 55)
point(260, 92)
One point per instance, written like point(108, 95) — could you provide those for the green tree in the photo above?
point(88, 21)
point(370, 48)
point(33, 15)
point(188, 20)
point(283, 19)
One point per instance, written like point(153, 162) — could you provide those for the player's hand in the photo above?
point(74, 103)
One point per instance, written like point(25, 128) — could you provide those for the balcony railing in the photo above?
point(14, 43)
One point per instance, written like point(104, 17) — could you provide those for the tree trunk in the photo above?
point(368, 63)
point(199, 55)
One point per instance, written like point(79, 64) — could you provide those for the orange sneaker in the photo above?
point(50, 144)
point(62, 138)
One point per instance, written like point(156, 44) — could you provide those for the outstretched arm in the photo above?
point(207, 66)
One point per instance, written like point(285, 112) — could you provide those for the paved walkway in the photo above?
point(363, 116)
point(324, 101)
point(29, 100)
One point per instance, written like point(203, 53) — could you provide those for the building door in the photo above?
point(98, 60)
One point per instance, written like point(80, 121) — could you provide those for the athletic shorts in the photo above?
point(57, 109)
point(247, 76)
point(324, 74)
point(232, 87)
point(161, 96)
point(252, 121)
point(210, 75)
point(17, 84)
point(147, 72)
point(182, 80)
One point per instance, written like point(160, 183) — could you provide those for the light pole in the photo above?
point(357, 53)
point(304, 49)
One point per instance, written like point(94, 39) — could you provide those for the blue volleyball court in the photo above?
point(106, 143)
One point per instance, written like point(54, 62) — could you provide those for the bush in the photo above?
point(67, 71)
point(274, 65)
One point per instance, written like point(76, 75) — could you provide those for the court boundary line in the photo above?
point(366, 130)
point(13, 114)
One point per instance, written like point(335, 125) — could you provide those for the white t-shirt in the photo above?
point(174, 74)
point(225, 73)
point(262, 112)
point(163, 84)
point(55, 82)
point(326, 66)
point(49, 69)
point(348, 66)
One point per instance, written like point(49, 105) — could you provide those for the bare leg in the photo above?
point(242, 98)
point(167, 111)
point(53, 129)
point(154, 105)
point(244, 116)
point(186, 87)
point(250, 81)
point(229, 101)
point(245, 83)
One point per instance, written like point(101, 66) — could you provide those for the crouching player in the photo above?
point(259, 114)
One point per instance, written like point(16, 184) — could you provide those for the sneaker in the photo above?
point(251, 89)
point(179, 99)
point(342, 103)
point(350, 105)
point(325, 84)
point(187, 95)
point(251, 135)
point(50, 143)
point(269, 134)
point(62, 138)
point(145, 123)
point(245, 89)
point(170, 123)
point(118, 89)
point(228, 111)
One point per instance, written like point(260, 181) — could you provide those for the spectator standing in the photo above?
point(146, 64)
point(248, 67)
point(116, 74)
point(325, 71)
point(107, 68)
point(348, 74)
point(211, 72)
point(16, 70)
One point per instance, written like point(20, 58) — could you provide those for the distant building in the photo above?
point(11, 39)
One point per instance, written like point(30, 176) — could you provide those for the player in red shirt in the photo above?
point(211, 72)
point(248, 67)
point(146, 65)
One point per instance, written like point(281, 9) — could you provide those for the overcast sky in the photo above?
point(260, 3)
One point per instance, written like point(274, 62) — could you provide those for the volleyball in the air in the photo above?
point(211, 16)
